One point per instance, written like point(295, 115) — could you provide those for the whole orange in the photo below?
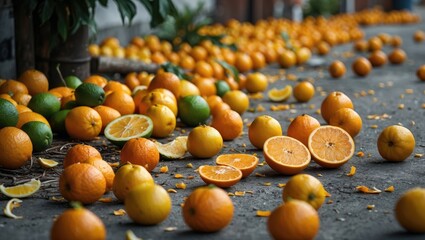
point(80, 153)
point(262, 128)
point(420, 73)
point(228, 123)
point(361, 66)
point(256, 82)
point(334, 101)
point(120, 101)
point(107, 114)
point(287, 59)
point(303, 91)
point(301, 127)
point(409, 210)
point(35, 81)
point(306, 188)
point(347, 119)
point(243, 62)
point(397, 56)
point(166, 80)
point(140, 151)
point(337, 69)
point(83, 123)
point(378, 58)
point(104, 168)
point(15, 147)
point(13, 87)
point(396, 143)
point(129, 176)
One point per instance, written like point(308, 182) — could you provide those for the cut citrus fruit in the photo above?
point(244, 162)
point(330, 146)
point(22, 190)
point(221, 176)
point(13, 203)
point(174, 149)
point(129, 235)
point(129, 126)
point(280, 95)
point(47, 163)
point(286, 155)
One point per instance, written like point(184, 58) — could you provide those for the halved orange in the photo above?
point(221, 176)
point(286, 155)
point(244, 162)
point(330, 146)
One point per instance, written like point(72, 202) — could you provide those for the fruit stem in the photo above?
point(76, 205)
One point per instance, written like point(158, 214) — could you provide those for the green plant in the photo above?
point(321, 7)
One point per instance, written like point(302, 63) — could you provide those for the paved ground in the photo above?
point(345, 218)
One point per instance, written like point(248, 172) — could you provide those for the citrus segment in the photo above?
point(126, 127)
point(47, 163)
point(22, 190)
point(11, 204)
point(330, 146)
point(244, 162)
point(174, 149)
point(280, 95)
point(221, 176)
point(286, 155)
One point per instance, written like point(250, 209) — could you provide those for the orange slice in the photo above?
point(280, 95)
point(286, 155)
point(22, 190)
point(330, 146)
point(221, 176)
point(244, 162)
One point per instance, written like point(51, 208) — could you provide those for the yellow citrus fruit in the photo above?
point(303, 91)
point(164, 120)
point(409, 210)
point(256, 82)
point(262, 128)
point(204, 142)
point(396, 143)
point(237, 100)
point(306, 188)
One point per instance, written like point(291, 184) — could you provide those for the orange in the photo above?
point(219, 72)
point(208, 209)
point(306, 188)
point(301, 127)
point(243, 62)
point(15, 147)
point(13, 87)
point(8, 98)
point(137, 98)
point(361, 45)
point(334, 101)
point(228, 123)
point(330, 146)
point(77, 224)
point(156, 97)
point(82, 182)
point(337, 69)
point(83, 123)
point(204, 142)
point(80, 153)
point(97, 79)
point(104, 168)
point(347, 119)
point(303, 54)
point(187, 62)
point(120, 101)
point(323, 48)
point(21, 98)
point(361, 66)
point(256, 82)
point(244, 162)
point(237, 100)
point(107, 114)
point(112, 86)
point(419, 36)
point(204, 69)
point(166, 80)
point(258, 60)
point(164, 120)
point(262, 128)
point(158, 58)
point(129, 176)
point(25, 117)
point(219, 108)
point(375, 44)
point(378, 58)
point(397, 56)
point(188, 88)
point(153, 43)
point(409, 210)
point(287, 59)
point(396, 143)
point(286, 155)
point(140, 151)
point(303, 91)
point(62, 91)
point(166, 92)
point(420, 73)
point(199, 53)
point(293, 220)
point(22, 108)
point(35, 81)
point(221, 176)
point(205, 86)
point(132, 81)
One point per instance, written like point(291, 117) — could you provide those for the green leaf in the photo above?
point(169, 67)
point(47, 9)
point(230, 69)
point(62, 24)
point(127, 9)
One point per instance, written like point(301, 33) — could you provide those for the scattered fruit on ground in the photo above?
point(419, 36)
point(45, 104)
point(89, 94)
point(246, 163)
point(301, 127)
point(22, 190)
point(129, 176)
point(409, 210)
point(330, 146)
point(361, 66)
point(221, 176)
point(323, 48)
point(120, 101)
point(107, 114)
point(157, 97)
point(13, 87)
point(77, 223)
point(306, 188)
point(12, 204)
point(228, 123)
point(375, 44)
point(82, 182)
point(104, 168)
point(175, 149)
point(8, 114)
point(378, 58)
point(237, 100)
point(286, 155)
point(72, 81)
point(127, 127)
point(80, 153)
point(222, 87)
point(337, 69)
point(40, 134)
point(83, 123)
point(256, 82)
point(148, 204)
point(397, 56)
point(164, 120)
point(166, 80)
point(193, 110)
point(47, 163)
point(303, 54)
point(361, 45)
point(140, 151)
point(347, 119)
point(15, 147)
point(208, 209)
point(243, 62)
point(280, 95)
point(294, 220)
point(204, 142)
point(262, 128)
point(420, 73)
point(396, 143)
point(303, 91)
point(57, 121)
point(334, 101)
point(29, 117)
point(35, 81)
point(287, 59)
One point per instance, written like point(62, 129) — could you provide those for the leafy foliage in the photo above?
point(169, 67)
point(321, 7)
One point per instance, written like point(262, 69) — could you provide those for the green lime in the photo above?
point(89, 94)
point(72, 81)
point(40, 134)
point(222, 87)
point(45, 104)
point(57, 121)
point(8, 114)
point(70, 105)
point(193, 110)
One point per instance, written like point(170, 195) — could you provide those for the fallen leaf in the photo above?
point(189, 165)
point(352, 171)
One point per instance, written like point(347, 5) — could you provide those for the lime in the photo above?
point(57, 121)
point(45, 104)
point(70, 105)
point(8, 114)
point(72, 81)
point(40, 134)
point(193, 110)
point(222, 87)
point(89, 94)
point(129, 126)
